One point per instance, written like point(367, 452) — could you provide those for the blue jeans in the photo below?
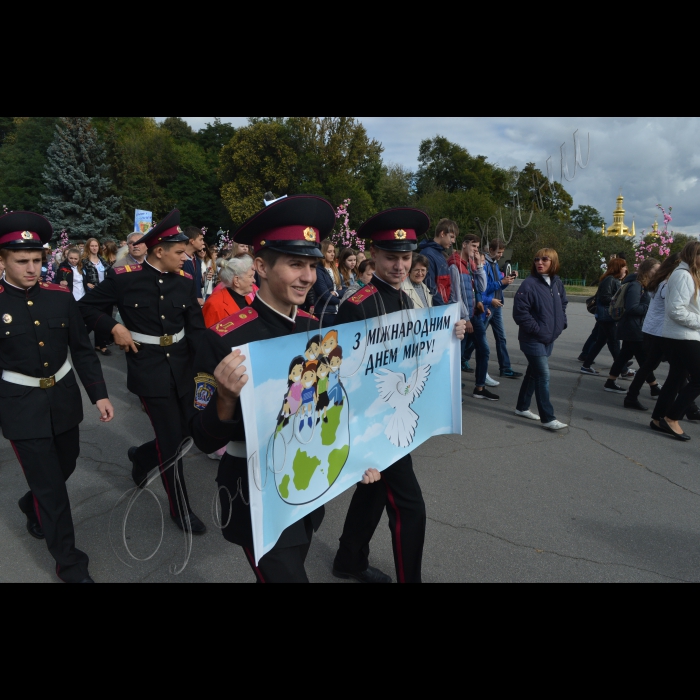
point(537, 382)
point(499, 333)
point(477, 340)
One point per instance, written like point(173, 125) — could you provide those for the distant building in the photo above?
point(619, 228)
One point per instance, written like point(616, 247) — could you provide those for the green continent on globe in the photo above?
point(304, 469)
point(284, 487)
point(330, 429)
point(336, 462)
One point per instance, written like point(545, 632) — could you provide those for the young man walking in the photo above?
point(193, 264)
point(393, 236)
point(40, 403)
point(496, 284)
point(438, 251)
point(285, 238)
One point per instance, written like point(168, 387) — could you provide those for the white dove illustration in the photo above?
point(400, 395)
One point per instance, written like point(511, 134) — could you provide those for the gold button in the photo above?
point(46, 364)
point(41, 345)
point(162, 298)
point(63, 325)
point(136, 306)
point(163, 317)
point(30, 303)
point(36, 323)
point(161, 281)
point(168, 356)
point(8, 333)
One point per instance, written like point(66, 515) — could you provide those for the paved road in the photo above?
point(605, 501)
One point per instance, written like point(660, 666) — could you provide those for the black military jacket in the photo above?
point(374, 300)
point(211, 434)
point(37, 328)
point(151, 303)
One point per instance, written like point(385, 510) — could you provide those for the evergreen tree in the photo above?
point(77, 196)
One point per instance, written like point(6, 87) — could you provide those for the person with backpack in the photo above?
point(634, 300)
point(610, 285)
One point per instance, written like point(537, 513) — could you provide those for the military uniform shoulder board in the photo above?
point(186, 274)
point(303, 314)
point(54, 287)
point(127, 268)
point(233, 323)
point(364, 294)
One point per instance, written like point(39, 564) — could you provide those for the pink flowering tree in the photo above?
point(656, 246)
point(225, 241)
point(344, 236)
point(62, 247)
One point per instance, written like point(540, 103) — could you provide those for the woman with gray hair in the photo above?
point(238, 277)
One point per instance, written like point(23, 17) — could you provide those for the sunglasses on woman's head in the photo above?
point(544, 260)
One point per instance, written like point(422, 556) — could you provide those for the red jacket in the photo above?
point(221, 305)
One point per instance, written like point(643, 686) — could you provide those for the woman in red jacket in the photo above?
point(238, 277)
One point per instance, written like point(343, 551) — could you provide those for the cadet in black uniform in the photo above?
point(394, 236)
point(40, 402)
point(286, 239)
point(164, 324)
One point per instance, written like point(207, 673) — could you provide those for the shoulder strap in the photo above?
point(234, 322)
point(126, 269)
point(365, 293)
point(53, 287)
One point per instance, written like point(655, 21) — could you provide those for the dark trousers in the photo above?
point(590, 342)
point(684, 360)
point(398, 493)
point(478, 341)
point(606, 336)
point(495, 321)
point(536, 382)
point(169, 419)
point(287, 565)
point(653, 353)
point(629, 350)
point(48, 463)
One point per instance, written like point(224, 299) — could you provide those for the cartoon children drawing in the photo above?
point(313, 348)
point(293, 399)
point(335, 390)
point(308, 395)
point(330, 343)
point(322, 400)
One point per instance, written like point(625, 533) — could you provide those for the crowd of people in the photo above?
point(156, 296)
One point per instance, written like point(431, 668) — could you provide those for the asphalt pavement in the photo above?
point(605, 501)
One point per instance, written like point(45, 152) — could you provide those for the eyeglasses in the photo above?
point(544, 260)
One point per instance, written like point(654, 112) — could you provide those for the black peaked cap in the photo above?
point(25, 222)
point(396, 230)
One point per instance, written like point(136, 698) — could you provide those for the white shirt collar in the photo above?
point(286, 318)
point(156, 269)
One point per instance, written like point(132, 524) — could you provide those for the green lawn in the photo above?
point(582, 291)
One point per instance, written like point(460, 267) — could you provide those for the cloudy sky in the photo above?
point(654, 159)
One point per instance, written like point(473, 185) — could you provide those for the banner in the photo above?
point(323, 407)
point(143, 221)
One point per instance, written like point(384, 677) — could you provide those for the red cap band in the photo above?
point(17, 236)
point(164, 236)
point(402, 234)
point(287, 233)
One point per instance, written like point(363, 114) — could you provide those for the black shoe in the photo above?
point(656, 391)
point(635, 405)
point(33, 526)
point(655, 427)
point(370, 576)
point(666, 428)
point(693, 415)
point(466, 368)
point(613, 388)
point(137, 475)
point(197, 526)
point(486, 395)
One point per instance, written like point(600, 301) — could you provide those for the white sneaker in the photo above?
point(492, 383)
point(554, 426)
point(527, 414)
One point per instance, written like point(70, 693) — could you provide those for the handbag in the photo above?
point(592, 305)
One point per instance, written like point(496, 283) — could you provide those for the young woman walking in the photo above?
point(540, 311)
point(610, 284)
point(328, 283)
point(347, 266)
point(681, 344)
point(94, 268)
point(629, 328)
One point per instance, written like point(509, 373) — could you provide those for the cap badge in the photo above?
point(400, 235)
point(7, 318)
point(179, 230)
point(263, 243)
point(310, 235)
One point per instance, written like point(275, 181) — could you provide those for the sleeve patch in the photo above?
point(365, 293)
point(206, 386)
point(186, 274)
point(54, 287)
point(127, 268)
point(233, 323)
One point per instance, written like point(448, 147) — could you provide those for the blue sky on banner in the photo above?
point(653, 159)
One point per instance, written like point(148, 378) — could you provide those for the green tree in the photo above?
point(534, 190)
point(7, 126)
point(22, 162)
point(77, 197)
point(585, 218)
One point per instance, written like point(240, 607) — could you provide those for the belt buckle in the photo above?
point(49, 383)
point(166, 341)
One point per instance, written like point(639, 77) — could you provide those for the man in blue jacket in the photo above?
point(438, 251)
point(493, 298)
